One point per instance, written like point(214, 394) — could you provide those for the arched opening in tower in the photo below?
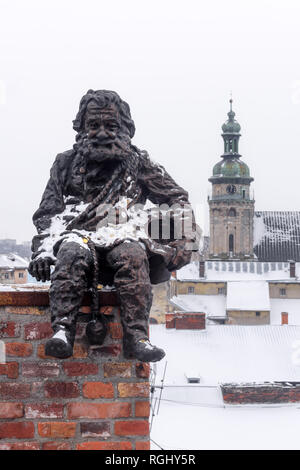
point(231, 243)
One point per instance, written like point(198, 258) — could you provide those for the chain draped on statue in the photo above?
point(126, 170)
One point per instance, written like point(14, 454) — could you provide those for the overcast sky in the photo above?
point(175, 63)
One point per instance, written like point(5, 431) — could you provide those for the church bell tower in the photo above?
point(231, 209)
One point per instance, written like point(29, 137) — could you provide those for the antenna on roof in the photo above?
point(152, 390)
point(162, 386)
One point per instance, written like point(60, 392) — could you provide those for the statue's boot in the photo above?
point(62, 342)
point(143, 351)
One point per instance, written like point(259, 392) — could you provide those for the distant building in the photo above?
point(10, 245)
point(236, 230)
point(239, 292)
point(13, 269)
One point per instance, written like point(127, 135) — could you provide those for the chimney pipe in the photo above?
point(292, 269)
point(202, 269)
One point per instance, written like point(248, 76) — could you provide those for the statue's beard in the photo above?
point(112, 150)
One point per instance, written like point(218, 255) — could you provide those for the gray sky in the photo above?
point(175, 63)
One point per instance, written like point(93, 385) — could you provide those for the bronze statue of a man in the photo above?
point(103, 171)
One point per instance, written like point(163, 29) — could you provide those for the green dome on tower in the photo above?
point(231, 168)
point(231, 126)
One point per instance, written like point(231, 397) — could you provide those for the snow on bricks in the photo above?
point(37, 330)
point(277, 392)
point(186, 321)
point(95, 400)
point(9, 329)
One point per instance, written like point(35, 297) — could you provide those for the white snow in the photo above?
point(132, 227)
point(251, 295)
point(193, 416)
point(24, 287)
point(237, 270)
point(182, 425)
point(290, 306)
point(228, 353)
point(13, 261)
point(212, 305)
point(259, 230)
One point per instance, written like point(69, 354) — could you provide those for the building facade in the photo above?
point(13, 269)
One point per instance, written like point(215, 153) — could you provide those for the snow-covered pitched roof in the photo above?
point(219, 271)
point(212, 305)
point(277, 236)
point(248, 295)
point(13, 261)
point(229, 353)
point(188, 272)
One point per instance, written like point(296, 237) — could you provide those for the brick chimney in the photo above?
point(202, 269)
point(292, 269)
point(185, 321)
point(94, 400)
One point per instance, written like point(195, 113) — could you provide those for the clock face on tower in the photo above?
point(231, 189)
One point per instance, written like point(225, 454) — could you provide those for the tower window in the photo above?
point(244, 193)
point(232, 212)
point(231, 242)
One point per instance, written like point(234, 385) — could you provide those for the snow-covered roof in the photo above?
point(229, 353)
point(13, 261)
point(277, 236)
point(193, 419)
point(224, 353)
point(212, 305)
point(248, 295)
point(33, 287)
point(218, 271)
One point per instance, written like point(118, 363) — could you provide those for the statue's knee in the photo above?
point(68, 251)
point(129, 253)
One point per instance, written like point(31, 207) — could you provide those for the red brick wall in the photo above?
point(185, 321)
point(94, 400)
point(278, 392)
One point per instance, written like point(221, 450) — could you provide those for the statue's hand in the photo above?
point(40, 268)
point(182, 256)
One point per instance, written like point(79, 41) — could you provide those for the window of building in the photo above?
point(232, 213)
point(257, 314)
point(221, 290)
point(191, 290)
point(282, 292)
point(244, 193)
point(231, 243)
point(21, 275)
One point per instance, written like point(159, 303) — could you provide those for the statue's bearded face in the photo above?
point(102, 126)
point(105, 135)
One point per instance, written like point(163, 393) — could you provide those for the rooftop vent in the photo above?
point(192, 377)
